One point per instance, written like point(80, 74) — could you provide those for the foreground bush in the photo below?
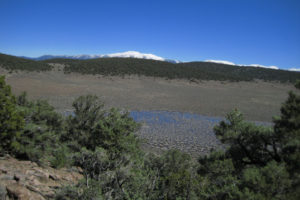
point(258, 162)
point(11, 120)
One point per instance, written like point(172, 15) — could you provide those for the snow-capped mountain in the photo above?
point(127, 54)
point(136, 54)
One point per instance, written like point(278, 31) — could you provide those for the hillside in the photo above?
point(12, 63)
point(193, 71)
point(190, 71)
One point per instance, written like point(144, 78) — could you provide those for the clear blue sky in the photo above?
point(263, 32)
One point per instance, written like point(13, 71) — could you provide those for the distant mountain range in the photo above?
point(121, 64)
point(127, 54)
point(136, 54)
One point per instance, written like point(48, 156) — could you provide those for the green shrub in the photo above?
point(80, 192)
point(39, 141)
point(259, 162)
point(61, 157)
point(11, 120)
point(88, 111)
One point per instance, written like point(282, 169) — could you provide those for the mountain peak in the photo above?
point(135, 54)
point(126, 54)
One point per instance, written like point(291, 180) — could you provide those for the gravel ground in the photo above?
point(188, 132)
point(191, 133)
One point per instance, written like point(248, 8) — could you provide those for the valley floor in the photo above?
point(174, 113)
point(259, 101)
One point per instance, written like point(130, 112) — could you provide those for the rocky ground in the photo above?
point(190, 133)
point(25, 180)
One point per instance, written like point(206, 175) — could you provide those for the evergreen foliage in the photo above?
point(257, 163)
point(13, 63)
point(174, 176)
point(192, 71)
point(287, 129)
point(40, 135)
point(11, 121)
point(88, 111)
point(109, 151)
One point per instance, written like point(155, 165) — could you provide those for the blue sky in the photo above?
point(265, 32)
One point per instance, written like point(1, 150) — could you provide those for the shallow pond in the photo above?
point(192, 133)
point(188, 132)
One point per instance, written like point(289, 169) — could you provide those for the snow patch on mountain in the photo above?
point(134, 54)
point(139, 55)
point(294, 69)
point(127, 54)
point(231, 63)
point(262, 66)
point(220, 62)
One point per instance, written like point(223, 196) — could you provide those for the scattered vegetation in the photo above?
point(193, 71)
point(257, 163)
point(13, 63)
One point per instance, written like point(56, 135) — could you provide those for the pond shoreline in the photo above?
point(189, 132)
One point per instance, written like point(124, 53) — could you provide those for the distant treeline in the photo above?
point(192, 71)
point(13, 63)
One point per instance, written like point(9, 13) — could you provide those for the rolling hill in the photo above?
point(13, 63)
point(193, 71)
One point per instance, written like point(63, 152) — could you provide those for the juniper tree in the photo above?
point(264, 161)
point(11, 121)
